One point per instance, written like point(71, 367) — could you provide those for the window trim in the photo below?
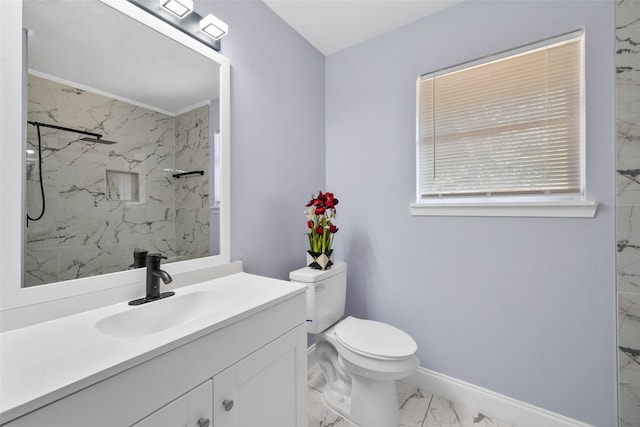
point(557, 209)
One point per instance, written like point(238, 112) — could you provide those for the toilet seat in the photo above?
point(374, 339)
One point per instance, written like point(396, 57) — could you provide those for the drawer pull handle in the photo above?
point(228, 405)
point(203, 422)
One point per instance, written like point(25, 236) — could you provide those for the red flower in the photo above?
point(329, 200)
point(314, 202)
point(320, 211)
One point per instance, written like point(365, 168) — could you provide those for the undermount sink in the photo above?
point(164, 314)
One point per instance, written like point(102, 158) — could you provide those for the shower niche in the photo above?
point(123, 186)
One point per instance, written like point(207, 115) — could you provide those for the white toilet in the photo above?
point(360, 359)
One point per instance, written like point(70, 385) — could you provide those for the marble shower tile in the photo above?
point(114, 119)
point(33, 200)
point(627, 95)
point(162, 129)
point(629, 357)
point(82, 187)
point(80, 261)
point(628, 179)
point(166, 246)
point(192, 232)
point(192, 153)
point(629, 405)
point(628, 242)
point(127, 158)
point(45, 236)
point(629, 337)
point(192, 139)
point(44, 100)
point(627, 39)
point(193, 191)
point(41, 266)
point(158, 157)
point(628, 217)
point(141, 222)
point(160, 189)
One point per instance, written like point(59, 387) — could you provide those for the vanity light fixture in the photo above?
point(213, 27)
point(180, 14)
point(179, 8)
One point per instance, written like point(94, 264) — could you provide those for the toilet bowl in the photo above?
point(360, 359)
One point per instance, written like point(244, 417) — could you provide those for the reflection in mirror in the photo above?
point(115, 110)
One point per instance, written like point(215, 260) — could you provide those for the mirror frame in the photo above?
point(12, 129)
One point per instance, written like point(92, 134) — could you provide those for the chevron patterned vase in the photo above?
point(320, 260)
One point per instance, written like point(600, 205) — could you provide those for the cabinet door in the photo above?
point(266, 388)
point(190, 410)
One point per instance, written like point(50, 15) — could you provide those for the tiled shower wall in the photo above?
point(90, 227)
point(192, 193)
point(628, 207)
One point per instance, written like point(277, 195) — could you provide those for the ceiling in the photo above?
point(91, 46)
point(147, 77)
point(333, 25)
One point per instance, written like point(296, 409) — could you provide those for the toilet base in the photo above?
point(337, 402)
point(372, 403)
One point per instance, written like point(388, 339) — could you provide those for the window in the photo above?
point(508, 128)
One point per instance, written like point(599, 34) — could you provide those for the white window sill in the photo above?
point(562, 209)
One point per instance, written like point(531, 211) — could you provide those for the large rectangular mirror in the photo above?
point(124, 145)
point(145, 183)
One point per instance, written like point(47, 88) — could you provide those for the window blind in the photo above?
point(508, 126)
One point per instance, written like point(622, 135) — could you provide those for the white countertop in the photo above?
point(47, 361)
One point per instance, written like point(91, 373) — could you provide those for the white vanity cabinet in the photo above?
point(191, 410)
point(244, 371)
point(262, 389)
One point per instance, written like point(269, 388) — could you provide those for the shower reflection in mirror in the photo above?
point(99, 183)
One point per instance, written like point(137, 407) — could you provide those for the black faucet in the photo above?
point(154, 274)
point(139, 258)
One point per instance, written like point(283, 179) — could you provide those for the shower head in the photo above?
point(97, 140)
point(93, 137)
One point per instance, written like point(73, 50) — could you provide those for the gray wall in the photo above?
point(524, 307)
point(277, 135)
point(521, 306)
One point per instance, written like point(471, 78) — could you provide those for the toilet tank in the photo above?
point(326, 294)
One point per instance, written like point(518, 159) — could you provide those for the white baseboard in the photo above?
point(486, 401)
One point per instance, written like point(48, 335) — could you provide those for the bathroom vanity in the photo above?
point(226, 352)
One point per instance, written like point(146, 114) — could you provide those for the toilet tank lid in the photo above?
point(312, 275)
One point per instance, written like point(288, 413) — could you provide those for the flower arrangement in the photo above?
point(320, 213)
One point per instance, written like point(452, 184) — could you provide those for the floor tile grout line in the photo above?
point(426, 413)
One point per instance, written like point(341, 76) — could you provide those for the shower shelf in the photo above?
point(181, 174)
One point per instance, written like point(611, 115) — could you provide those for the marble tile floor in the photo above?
point(417, 409)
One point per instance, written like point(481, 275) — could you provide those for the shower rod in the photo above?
point(96, 136)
